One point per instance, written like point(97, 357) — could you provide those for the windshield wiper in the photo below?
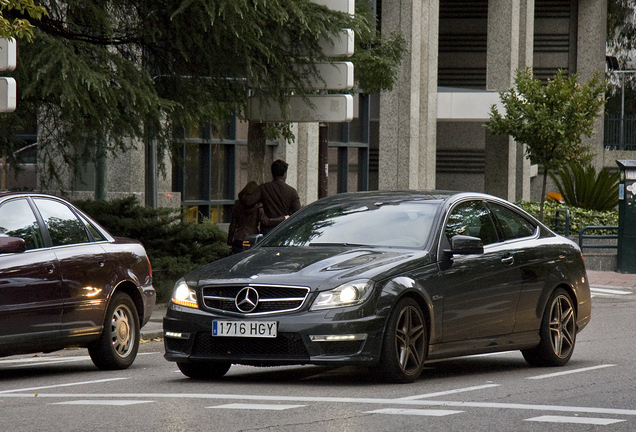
point(336, 244)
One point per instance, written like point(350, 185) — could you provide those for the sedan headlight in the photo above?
point(349, 294)
point(183, 295)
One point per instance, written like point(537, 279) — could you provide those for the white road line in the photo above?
point(37, 361)
point(60, 385)
point(102, 402)
point(611, 291)
point(272, 407)
point(448, 392)
point(305, 399)
point(576, 420)
point(571, 371)
point(420, 412)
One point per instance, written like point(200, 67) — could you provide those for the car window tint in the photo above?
point(17, 220)
point(94, 231)
point(512, 223)
point(471, 218)
point(64, 227)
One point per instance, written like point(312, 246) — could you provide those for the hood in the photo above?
point(315, 267)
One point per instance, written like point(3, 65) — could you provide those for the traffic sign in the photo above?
point(338, 45)
point(346, 6)
point(7, 54)
point(8, 94)
point(334, 108)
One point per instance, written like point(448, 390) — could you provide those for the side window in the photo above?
point(17, 220)
point(94, 231)
point(64, 227)
point(471, 218)
point(512, 223)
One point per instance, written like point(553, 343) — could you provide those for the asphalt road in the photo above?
point(594, 392)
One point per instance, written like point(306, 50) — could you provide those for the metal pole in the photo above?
point(622, 124)
point(323, 160)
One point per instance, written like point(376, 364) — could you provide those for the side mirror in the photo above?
point(465, 245)
point(12, 245)
point(251, 240)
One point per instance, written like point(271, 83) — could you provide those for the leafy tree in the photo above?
point(550, 119)
point(581, 186)
point(20, 10)
point(103, 74)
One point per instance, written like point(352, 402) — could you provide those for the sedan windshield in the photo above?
point(403, 224)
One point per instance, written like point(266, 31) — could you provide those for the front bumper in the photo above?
point(303, 338)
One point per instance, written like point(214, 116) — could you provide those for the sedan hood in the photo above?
point(315, 267)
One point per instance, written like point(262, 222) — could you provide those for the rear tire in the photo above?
point(405, 343)
point(118, 344)
point(204, 370)
point(558, 332)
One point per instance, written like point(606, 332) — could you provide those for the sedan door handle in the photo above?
point(509, 260)
point(50, 270)
point(100, 263)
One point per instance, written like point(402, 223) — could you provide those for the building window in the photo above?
point(349, 151)
point(205, 173)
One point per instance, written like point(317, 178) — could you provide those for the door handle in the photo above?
point(100, 263)
point(509, 260)
point(50, 270)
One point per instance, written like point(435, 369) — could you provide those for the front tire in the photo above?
point(558, 332)
point(405, 343)
point(204, 370)
point(118, 344)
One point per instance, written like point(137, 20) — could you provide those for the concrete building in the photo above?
point(427, 133)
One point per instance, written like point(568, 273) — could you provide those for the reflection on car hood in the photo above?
point(319, 267)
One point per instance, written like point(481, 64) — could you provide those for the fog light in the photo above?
point(174, 335)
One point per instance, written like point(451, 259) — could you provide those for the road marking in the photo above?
point(37, 361)
point(610, 291)
point(420, 412)
point(273, 407)
point(305, 399)
point(102, 402)
point(577, 420)
point(571, 371)
point(448, 392)
point(60, 385)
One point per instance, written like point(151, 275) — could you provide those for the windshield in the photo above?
point(402, 224)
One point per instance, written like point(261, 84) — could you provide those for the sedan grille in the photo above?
point(287, 346)
point(271, 299)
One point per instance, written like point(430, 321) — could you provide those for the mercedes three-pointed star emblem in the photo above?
point(246, 299)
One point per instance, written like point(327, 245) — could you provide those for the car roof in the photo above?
point(403, 195)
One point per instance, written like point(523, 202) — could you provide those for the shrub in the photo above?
point(581, 186)
point(174, 247)
point(579, 217)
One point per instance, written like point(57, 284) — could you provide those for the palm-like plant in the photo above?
point(582, 187)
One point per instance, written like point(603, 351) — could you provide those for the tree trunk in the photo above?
point(543, 193)
point(101, 172)
point(256, 165)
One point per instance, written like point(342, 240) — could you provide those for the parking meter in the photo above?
point(626, 257)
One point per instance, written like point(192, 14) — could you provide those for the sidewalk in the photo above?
point(154, 328)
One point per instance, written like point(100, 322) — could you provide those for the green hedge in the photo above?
point(579, 217)
point(174, 247)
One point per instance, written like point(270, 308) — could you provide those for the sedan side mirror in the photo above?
point(465, 245)
point(12, 245)
point(251, 240)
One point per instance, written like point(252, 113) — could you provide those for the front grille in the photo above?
point(342, 348)
point(272, 299)
point(287, 346)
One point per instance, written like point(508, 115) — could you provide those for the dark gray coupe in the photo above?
point(386, 280)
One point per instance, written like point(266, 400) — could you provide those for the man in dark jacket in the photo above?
point(278, 198)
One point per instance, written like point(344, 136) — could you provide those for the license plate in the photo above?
point(259, 329)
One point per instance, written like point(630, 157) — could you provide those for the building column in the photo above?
point(408, 114)
point(526, 58)
point(504, 32)
point(591, 31)
point(302, 157)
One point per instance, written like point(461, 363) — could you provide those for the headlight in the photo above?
point(184, 295)
point(349, 294)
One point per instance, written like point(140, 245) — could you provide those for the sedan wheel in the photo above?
point(118, 344)
point(405, 343)
point(558, 333)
